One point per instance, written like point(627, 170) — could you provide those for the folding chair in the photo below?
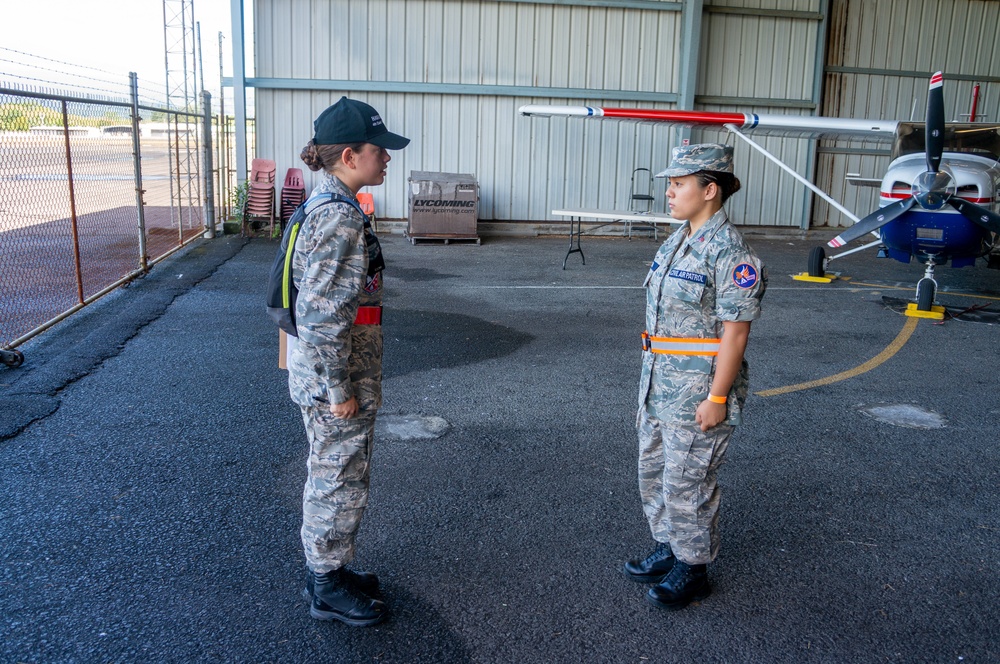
point(367, 202)
point(641, 199)
point(260, 195)
point(293, 193)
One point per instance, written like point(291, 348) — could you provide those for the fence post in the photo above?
point(137, 168)
point(206, 172)
point(74, 228)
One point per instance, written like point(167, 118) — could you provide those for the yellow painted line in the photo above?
point(940, 292)
point(882, 286)
point(890, 350)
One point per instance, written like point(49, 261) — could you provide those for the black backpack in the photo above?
point(281, 290)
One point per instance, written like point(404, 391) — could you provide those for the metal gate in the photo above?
point(92, 193)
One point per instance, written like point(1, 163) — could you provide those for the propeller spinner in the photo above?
point(932, 189)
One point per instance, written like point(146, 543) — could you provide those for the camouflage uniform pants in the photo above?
point(678, 465)
point(336, 491)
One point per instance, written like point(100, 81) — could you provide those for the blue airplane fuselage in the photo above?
point(943, 234)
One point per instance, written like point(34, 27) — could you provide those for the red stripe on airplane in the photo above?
point(901, 195)
point(704, 117)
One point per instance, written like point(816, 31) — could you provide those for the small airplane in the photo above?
point(939, 198)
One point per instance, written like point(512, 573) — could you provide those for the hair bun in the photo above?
point(310, 157)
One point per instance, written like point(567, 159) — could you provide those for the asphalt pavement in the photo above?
point(151, 470)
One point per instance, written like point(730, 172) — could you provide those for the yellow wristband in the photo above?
point(715, 399)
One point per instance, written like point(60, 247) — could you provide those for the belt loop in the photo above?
point(645, 341)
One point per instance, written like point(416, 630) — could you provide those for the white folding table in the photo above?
point(576, 216)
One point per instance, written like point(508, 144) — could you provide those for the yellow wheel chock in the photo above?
point(936, 312)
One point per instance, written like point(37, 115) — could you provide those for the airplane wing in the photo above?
point(801, 126)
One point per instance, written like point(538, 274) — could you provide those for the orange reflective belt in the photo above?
point(368, 316)
point(680, 346)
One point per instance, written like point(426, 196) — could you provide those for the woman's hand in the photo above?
point(727, 367)
point(346, 410)
point(709, 414)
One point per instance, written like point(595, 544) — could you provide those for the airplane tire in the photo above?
point(12, 358)
point(817, 258)
point(925, 295)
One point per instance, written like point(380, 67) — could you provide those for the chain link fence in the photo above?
point(224, 142)
point(92, 192)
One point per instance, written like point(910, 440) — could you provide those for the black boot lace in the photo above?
point(661, 552)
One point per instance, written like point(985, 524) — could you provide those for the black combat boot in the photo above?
point(335, 598)
point(366, 582)
point(683, 585)
point(654, 567)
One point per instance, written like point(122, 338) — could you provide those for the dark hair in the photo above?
point(325, 157)
point(728, 183)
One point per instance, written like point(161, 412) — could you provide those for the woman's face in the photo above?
point(689, 200)
point(369, 165)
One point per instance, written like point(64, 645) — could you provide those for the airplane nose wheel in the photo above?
point(927, 288)
point(12, 358)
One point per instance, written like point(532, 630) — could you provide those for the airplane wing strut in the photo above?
point(819, 192)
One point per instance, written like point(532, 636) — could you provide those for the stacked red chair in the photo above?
point(367, 202)
point(293, 193)
point(260, 197)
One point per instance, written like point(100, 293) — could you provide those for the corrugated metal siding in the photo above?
point(888, 40)
point(761, 57)
point(525, 167)
point(528, 167)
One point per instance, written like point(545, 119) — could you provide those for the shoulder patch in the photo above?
point(745, 275)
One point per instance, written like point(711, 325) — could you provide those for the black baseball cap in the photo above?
point(353, 121)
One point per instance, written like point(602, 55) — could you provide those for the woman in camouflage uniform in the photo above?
point(704, 288)
point(335, 364)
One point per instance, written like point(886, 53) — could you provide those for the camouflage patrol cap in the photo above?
point(688, 159)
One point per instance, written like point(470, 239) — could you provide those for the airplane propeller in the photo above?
point(934, 133)
point(932, 189)
point(874, 221)
point(976, 214)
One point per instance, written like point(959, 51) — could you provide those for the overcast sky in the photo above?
point(115, 36)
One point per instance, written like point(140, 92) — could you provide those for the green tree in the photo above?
point(12, 118)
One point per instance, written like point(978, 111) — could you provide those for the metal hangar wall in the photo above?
point(450, 74)
point(877, 65)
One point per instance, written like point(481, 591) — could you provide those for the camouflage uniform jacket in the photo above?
point(333, 359)
point(694, 285)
